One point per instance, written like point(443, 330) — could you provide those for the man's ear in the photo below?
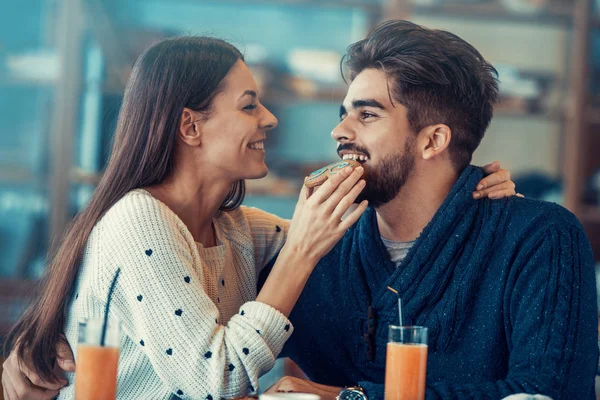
point(190, 127)
point(434, 140)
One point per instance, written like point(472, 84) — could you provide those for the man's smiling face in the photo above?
point(376, 132)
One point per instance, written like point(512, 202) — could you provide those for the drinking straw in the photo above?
point(106, 310)
point(399, 303)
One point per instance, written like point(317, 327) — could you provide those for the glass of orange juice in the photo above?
point(406, 363)
point(97, 360)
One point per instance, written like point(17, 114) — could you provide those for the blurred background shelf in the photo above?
point(594, 115)
point(361, 4)
point(496, 11)
point(590, 214)
point(19, 176)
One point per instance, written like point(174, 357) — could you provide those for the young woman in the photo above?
point(167, 213)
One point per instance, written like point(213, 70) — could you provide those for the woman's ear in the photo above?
point(434, 140)
point(190, 127)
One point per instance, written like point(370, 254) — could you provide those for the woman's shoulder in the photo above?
point(138, 212)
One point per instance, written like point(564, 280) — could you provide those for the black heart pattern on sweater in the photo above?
point(231, 367)
point(187, 279)
point(277, 228)
point(149, 252)
point(170, 352)
point(287, 327)
point(208, 354)
point(179, 312)
point(179, 392)
point(142, 342)
point(140, 297)
point(246, 351)
point(209, 397)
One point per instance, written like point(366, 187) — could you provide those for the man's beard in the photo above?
point(385, 180)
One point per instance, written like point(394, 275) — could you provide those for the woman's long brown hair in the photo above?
point(173, 74)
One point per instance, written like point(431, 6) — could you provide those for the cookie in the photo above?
point(319, 176)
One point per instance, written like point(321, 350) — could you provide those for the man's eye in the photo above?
point(250, 107)
point(365, 115)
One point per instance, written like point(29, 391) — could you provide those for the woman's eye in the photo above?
point(250, 107)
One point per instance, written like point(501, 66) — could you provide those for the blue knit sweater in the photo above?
point(506, 288)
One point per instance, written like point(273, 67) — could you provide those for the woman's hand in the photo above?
point(316, 227)
point(317, 223)
point(496, 184)
point(21, 382)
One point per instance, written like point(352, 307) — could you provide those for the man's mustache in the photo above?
point(353, 148)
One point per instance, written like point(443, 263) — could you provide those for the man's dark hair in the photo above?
point(437, 76)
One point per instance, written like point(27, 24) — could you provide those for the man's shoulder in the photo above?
point(534, 215)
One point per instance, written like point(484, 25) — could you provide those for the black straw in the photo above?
point(106, 310)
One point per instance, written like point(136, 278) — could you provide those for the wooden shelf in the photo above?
point(590, 214)
point(19, 176)
point(83, 177)
point(367, 5)
point(594, 116)
point(496, 11)
point(15, 294)
point(20, 82)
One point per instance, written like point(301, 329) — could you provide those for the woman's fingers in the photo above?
point(504, 189)
point(351, 218)
point(35, 379)
point(326, 189)
point(496, 178)
point(492, 167)
point(18, 387)
point(301, 201)
point(500, 194)
point(347, 201)
point(347, 186)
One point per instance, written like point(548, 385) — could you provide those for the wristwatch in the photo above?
point(352, 393)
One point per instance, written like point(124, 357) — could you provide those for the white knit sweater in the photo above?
point(191, 325)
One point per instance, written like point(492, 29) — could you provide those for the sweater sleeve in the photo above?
point(551, 323)
point(269, 233)
point(164, 308)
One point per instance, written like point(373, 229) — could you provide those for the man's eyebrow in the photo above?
point(368, 103)
point(362, 103)
point(248, 93)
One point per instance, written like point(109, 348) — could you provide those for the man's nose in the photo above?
point(343, 131)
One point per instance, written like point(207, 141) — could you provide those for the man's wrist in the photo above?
point(352, 393)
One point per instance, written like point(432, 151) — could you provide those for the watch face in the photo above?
point(352, 394)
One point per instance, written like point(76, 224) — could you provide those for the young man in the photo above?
point(506, 288)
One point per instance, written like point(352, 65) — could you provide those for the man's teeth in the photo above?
point(357, 157)
point(257, 146)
